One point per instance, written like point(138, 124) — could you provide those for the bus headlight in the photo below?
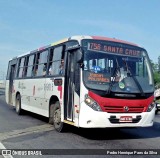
point(91, 103)
point(150, 107)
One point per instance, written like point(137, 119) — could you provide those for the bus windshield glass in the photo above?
point(116, 67)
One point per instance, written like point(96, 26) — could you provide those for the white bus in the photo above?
point(84, 81)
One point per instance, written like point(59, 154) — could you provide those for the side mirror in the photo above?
point(79, 56)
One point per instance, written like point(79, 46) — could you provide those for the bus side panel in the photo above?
point(58, 91)
point(83, 91)
point(17, 89)
point(76, 109)
point(32, 96)
point(7, 91)
point(78, 99)
point(10, 80)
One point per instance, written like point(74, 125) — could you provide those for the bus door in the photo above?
point(12, 71)
point(69, 87)
point(71, 82)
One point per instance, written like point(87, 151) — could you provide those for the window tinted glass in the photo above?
point(21, 68)
point(41, 66)
point(30, 68)
point(117, 68)
point(43, 57)
point(57, 53)
point(31, 59)
point(56, 61)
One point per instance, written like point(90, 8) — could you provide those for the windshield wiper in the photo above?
point(130, 74)
point(113, 77)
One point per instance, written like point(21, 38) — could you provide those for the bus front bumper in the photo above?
point(89, 118)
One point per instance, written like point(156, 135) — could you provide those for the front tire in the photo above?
point(58, 125)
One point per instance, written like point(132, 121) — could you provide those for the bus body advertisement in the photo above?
point(85, 81)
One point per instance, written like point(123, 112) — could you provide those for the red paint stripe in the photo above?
point(118, 103)
point(60, 90)
point(113, 40)
point(34, 90)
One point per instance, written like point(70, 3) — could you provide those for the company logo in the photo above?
point(6, 153)
point(126, 108)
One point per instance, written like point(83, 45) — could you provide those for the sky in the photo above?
point(26, 25)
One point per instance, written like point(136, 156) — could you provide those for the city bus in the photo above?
point(84, 81)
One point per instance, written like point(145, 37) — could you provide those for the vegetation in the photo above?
point(157, 79)
point(156, 73)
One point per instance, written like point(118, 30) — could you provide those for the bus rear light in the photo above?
point(91, 103)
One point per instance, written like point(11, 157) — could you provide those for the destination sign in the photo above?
point(97, 77)
point(114, 49)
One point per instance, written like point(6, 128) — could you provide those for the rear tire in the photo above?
point(19, 111)
point(58, 125)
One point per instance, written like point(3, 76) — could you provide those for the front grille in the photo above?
point(121, 109)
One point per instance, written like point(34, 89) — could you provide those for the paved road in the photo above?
point(31, 131)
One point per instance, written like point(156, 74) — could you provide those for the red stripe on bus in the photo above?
point(60, 90)
point(105, 102)
point(113, 40)
point(33, 90)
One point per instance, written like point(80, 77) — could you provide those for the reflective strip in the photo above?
point(58, 42)
point(68, 122)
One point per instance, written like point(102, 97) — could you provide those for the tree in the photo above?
point(156, 72)
point(156, 76)
point(159, 64)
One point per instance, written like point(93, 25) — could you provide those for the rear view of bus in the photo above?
point(117, 85)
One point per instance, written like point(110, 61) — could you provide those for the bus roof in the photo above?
point(79, 38)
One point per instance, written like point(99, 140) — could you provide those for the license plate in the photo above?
point(125, 119)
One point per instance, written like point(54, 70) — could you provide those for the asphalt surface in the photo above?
point(31, 131)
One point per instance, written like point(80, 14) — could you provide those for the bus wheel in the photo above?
point(18, 105)
point(58, 125)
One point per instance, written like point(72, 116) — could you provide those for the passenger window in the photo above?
point(25, 66)
point(30, 68)
point(41, 66)
point(56, 62)
point(21, 68)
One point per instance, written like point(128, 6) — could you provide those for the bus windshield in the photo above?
point(116, 67)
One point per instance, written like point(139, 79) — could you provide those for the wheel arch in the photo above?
point(17, 93)
point(52, 101)
point(54, 115)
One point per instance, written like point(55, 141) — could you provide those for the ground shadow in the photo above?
point(35, 116)
point(118, 133)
